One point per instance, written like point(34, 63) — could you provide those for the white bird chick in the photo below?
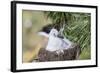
point(55, 43)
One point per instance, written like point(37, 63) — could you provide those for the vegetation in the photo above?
point(77, 28)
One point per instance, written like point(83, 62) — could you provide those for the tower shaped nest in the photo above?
point(70, 54)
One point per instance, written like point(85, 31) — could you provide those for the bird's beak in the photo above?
point(43, 34)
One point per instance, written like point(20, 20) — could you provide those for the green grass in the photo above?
point(86, 54)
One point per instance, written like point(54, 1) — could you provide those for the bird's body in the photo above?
point(55, 43)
